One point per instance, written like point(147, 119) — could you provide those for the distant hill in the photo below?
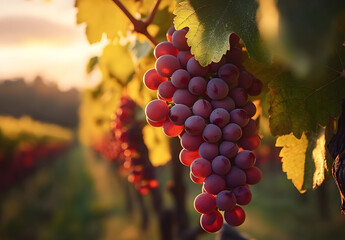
point(42, 101)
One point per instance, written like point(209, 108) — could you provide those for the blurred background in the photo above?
point(53, 187)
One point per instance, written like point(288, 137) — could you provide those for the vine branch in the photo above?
point(139, 25)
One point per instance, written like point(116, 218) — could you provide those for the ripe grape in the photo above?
point(183, 96)
point(195, 69)
point(211, 222)
point(190, 142)
point(179, 40)
point(201, 168)
point(205, 203)
point(165, 48)
point(179, 113)
point(235, 217)
point(245, 159)
point(180, 78)
point(209, 150)
point(220, 117)
point(229, 73)
point(194, 125)
point(232, 132)
point(253, 175)
point(239, 116)
point(183, 57)
point(235, 177)
point(227, 103)
point(152, 79)
point(166, 65)
point(217, 89)
point(226, 200)
point(221, 165)
point(166, 90)
point(157, 110)
point(214, 183)
point(197, 85)
point(212, 133)
point(187, 157)
point(172, 130)
point(243, 195)
point(228, 149)
point(202, 108)
point(240, 96)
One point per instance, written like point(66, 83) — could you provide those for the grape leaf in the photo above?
point(210, 24)
point(301, 105)
point(305, 159)
point(103, 17)
point(116, 63)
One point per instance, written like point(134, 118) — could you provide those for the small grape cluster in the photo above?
point(208, 108)
point(127, 134)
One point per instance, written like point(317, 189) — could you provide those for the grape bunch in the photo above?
point(208, 109)
point(128, 147)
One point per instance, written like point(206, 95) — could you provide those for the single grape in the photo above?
point(183, 57)
point(235, 177)
point(217, 89)
point(250, 129)
point(205, 203)
point(256, 87)
point(187, 157)
point(190, 142)
point(196, 179)
point(226, 200)
point(166, 65)
point(171, 129)
point(194, 125)
point(239, 116)
point(195, 69)
point(240, 96)
point(211, 222)
point(214, 183)
point(179, 40)
point(221, 165)
point(201, 168)
point(208, 150)
point(235, 217)
point(170, 33)
point(243, 195)
point(166, 90)
point(197, 85)
point(220, 117)
point(229, 73)
point(180, 78)
point(250, 142)
point(245, 80)
point(232, 132)
point(250, 108)
point(254, 175)
point(228, 149)
point(202, 108)
point(227, 103)
point(157, 110)
point(165, 48)
point(183, 96)
point(152, 79)
point(212, 133)
point(179, 113)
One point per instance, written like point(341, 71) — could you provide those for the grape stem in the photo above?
point(139, 25)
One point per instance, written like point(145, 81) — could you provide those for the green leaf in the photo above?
point(298, 105)
point(305, 159)
point(116, 63)
point(210, 24)
point(102, 17)
point(91, 64)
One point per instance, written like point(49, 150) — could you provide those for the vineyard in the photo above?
point(211, 120)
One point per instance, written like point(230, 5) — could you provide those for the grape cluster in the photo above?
point(208, 109)
point(128, 148)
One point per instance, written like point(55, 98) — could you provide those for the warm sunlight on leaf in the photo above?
point(293, 157)
point(158, 145)
point(319, 156)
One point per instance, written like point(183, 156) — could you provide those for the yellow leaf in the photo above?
point(319, 156)
point(116, 63)
point(158, 145)
point(293, 157)
point(103, 16)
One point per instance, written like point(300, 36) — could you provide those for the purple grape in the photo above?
point(235, 217)
point(253, 175)
point(187, 157)
point(250, 142)
point(195, 69)
point(245, 79)
point(183, 96)
point(243, 195)
point(197, 85)
point(239, 116)
point(234, 56)
point(166, 65)
point(211, 222)
point(212, 133)
point(220, 117)
point(190, 142)
point(221, 165)
point(235, 177)
point(152, 79)
point(202, 108)
point(232, 132)
point(250, 129)
point(226, 200)
point(183, 57)
point(179, 113)
point(170, 33)
point(180, 78)
point(157, 110)
point(166, 90)
point(256, 87)
point(245, 159)
point(179, 40)
point(208, 150)
point(228, 149)
point(214, 183)
point(205, 203)
point(227, 103)
point(214, 66)
point(201, 168)
point(171, 129)
point(165, 48)
point(217, 89)
point(240, 96)
point(250, 108)
point(229, 73)
point(194, 125)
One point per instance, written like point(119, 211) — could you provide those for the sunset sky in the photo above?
point(42, 38)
